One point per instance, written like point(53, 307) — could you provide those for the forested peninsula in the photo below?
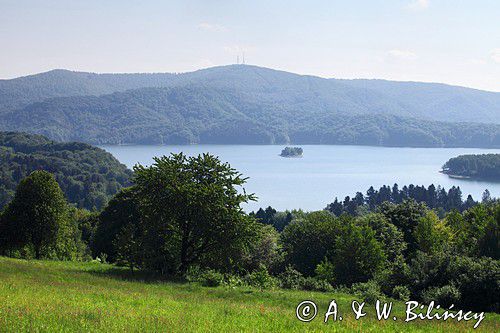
point(484, 166)
point(88, 176)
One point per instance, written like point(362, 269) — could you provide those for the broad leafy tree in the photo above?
point(192, 213)
point(36, 215)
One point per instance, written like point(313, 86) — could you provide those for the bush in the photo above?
point(401, 292)
point(369, 291)
point(211, 278)
point(261, 279)
point(291, 279)
point(325, 271)
point(314, 284)
point(234, 281)
point(444, 296)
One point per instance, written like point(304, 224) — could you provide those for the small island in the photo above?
point(292, 152)
point(486, 166)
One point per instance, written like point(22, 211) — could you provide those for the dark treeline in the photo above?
point(486, 166)
point(434, 197)
point(182, 217)
point(87, 175)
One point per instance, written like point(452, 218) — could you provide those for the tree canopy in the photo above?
point(88, 176)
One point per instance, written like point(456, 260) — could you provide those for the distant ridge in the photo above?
point(247, 104)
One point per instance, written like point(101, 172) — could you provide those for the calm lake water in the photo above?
point(324, 172)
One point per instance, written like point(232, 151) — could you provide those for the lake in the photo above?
point(324, 172)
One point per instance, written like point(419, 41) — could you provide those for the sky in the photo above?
point(449, 41)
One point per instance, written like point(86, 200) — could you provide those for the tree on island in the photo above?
point(292, 152)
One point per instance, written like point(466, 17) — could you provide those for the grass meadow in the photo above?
point(49, 296)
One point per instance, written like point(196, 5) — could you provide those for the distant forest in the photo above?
point(247, 105)
point(87, 175)
point(486, 166)
point(437, 198)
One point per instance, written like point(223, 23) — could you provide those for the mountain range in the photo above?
point(243, 104)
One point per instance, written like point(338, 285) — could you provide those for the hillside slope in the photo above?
point(264, 85)
point(199, 114)
point(247, 104)
point(92, 297)
point(88, 176)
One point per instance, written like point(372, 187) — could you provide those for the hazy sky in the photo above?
point(450, 41)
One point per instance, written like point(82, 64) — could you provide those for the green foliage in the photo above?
point(484, 166)
point(475, 278)
point(315, 284)
point(358, 256)
point(264, 250)
point(432, 234)
point(291, 279)
point(386, 233)
point(128, 245)
point(308, 240)
point(121, 212)
point(368, 291)
point(38, 217)
point(445, 296)
point(325, 271)
point(191, 213)
point(405, 216)
point(260, 278)
point(375, 200)
point(401, 292)
point(211, 278)
point(476, 231)
point(87, 175)
point(279, 220)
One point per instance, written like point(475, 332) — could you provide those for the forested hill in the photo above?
point(19, 92)
point(247, 104)
point(88, 176)
point(485, 166)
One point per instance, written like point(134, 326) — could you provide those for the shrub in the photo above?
point(444, 296)
point(211, 278)
point(261, 279)
point(369, 291)
point(233, 281)
point(193, 274)
point(314, 284)
point(325, 271)
point(291, 279)
point(401, 292)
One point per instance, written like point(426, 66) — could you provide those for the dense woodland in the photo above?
point(436, 198)
point(182, 218)
point(486, 166)
point(247, 105)
point(88, 176)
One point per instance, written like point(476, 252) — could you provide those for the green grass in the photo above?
point(44, 296)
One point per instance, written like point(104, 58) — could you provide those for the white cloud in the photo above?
point(402, 54)
point(495, 55)
point(211, 27)
point(419, 4)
